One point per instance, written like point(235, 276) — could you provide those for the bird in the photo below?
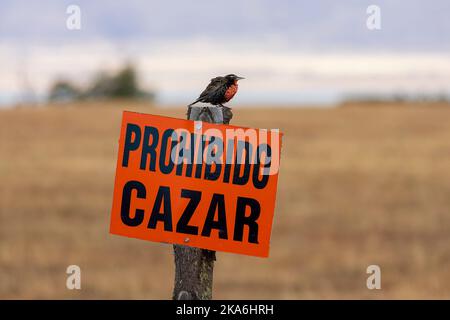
point(220, 90)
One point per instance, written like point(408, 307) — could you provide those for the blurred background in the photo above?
point(362, 98)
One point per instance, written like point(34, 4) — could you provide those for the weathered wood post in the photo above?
point(193, 266)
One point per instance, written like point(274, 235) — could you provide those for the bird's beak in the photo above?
point(239, 78)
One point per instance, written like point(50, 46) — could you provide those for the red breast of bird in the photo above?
point(231, 91)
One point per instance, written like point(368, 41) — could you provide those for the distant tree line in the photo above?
point(123, 84)
point(396, 98)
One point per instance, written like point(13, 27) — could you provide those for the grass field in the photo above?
point(358, 186)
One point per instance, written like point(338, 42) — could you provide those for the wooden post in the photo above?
point(193, 266)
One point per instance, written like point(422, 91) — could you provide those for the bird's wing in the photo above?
point(216, 79)
point(214, 90)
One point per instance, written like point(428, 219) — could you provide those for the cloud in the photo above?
point(412, 25)
point(179, 70)
point(287, 49)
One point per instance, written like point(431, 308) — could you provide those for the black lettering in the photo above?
point(229, 161)
point(209, 173)
point(237, 178)
point(129, 144)
point(166, 215)
point(163, 167)
point(149, 148)
point(126, 200)
point(183, 223)
point(261, 184)
point(189, 158)
point(217, 202)
point(250, 221)
point(199, 165)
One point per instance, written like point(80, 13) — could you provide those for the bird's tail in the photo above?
point(198, 100)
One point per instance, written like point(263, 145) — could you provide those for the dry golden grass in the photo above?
point(358, 186)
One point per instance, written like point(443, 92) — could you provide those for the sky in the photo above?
point(305, 52)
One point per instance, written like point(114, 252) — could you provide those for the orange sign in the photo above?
point(195, 183)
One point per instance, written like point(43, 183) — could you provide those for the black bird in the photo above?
point(219, 90)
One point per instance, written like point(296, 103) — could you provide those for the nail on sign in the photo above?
point(194, 183)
